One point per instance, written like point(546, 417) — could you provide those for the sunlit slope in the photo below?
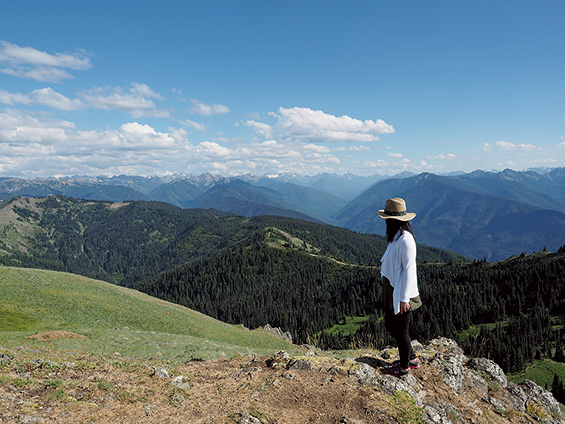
point(115, 319)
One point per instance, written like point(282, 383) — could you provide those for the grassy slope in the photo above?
point(115, 319)
point(542, 372)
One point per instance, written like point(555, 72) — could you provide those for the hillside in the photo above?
point(114, 319)
point(78, 350)
point(453, 215)
point(127, 243)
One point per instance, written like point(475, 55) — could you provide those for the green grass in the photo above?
point(115, 320)
point(349, 327)
point(474, 330)
point(541, 372)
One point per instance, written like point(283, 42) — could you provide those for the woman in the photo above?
point(400, 283)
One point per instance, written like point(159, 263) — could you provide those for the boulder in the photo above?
point(491, 368)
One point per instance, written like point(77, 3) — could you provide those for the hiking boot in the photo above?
point(413, 364)
point(396, 371)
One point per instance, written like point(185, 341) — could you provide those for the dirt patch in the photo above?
point(117, 205)
point(55, 335)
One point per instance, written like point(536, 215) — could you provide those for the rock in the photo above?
point(246, 418)
point(435, 417)
point(499, 406)
point(366, 374)
point(391, 385)
point(452, 368)
point(346, 420)
point(389, 353)
point(491, 368)
point(30, 419)
point(333, 371)
point(301, 365)
point(544, 397)
point(148, 409)
point(517, 396)
point(278, 360)
point(162, 372)
point(444, 345)
point(277, 332)
point(475, 382)
point(180, 383)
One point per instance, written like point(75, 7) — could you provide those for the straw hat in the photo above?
point(395, 208)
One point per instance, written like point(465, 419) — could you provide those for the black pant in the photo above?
point(398, 327)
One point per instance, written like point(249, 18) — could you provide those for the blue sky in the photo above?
point(230, 87)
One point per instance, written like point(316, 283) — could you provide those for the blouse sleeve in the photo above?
point(409, 281)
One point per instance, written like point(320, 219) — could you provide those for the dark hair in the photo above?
point(393, 225)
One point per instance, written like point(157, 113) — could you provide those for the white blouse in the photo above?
point(399, 266)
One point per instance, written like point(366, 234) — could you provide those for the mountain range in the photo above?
point(480, 214)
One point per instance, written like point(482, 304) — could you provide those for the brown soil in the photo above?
point(54, 335)
point(88, 389)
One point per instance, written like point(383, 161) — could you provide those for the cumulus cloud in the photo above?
point(359, 148)
point(13, 98)
point(43, 96)
point(304, 124)
point(507, 146)
point(201, 108)
point(442, 156)
point(28, 62)
point(196, 125)
point(49, 97)
point(395, 155)
point(137, 100)
point(266, 156)
point(261, 128)
point(31, 143)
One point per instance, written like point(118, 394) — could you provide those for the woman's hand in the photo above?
point(404, 307)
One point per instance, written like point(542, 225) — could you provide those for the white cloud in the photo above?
point(201, 108)
point(35, 144)
point(315, 148)
point(13, 98)
point(261, 128)
point(507, 146)
point(49, 97)
point(442, 156)
point(304, 124)
point(378, 164)
point(395, 155)
point(196, 125)
point(137, 100)
point(209, 149)
point(44, 96)
point(27, 62)
point(359, 148)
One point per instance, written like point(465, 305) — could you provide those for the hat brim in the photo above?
point(407, 217)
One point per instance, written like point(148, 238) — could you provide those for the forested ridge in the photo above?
point(125, 243)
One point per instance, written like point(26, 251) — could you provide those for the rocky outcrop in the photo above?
point(479, 376)
point(277, 332)
point(461, 387)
